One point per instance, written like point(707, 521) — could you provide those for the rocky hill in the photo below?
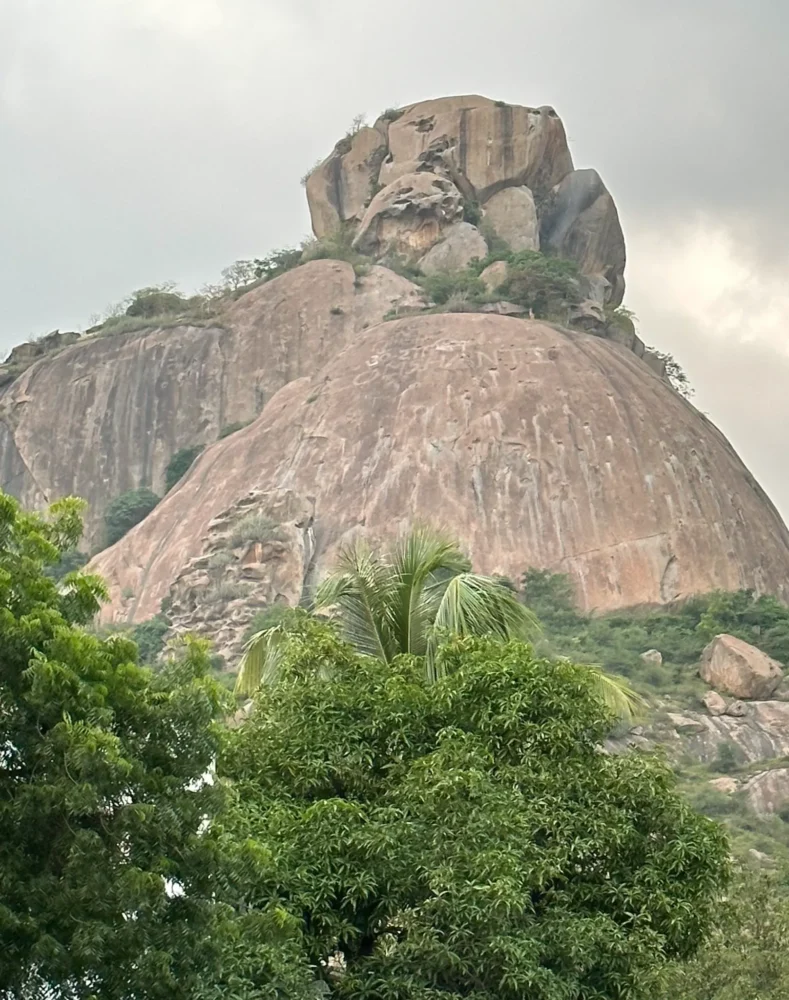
point(450, 348)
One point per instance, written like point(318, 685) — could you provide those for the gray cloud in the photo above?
point(144, 141)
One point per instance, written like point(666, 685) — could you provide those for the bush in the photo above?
point(127, 510)
point(227, 590)
point(180, 464)
point(253, 528)
point(155, 301)
point(229, 429)
point(277, 262)
point(548, 286)
point(445, 284)
point(335, 246)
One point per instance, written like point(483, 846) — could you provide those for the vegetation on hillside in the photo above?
point(127, 510)
point(180, 464)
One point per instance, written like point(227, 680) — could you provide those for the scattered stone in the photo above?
point(732, 665)
point(685, 724)
point(737, 710)
point(512, 215)
point(653, 656)
point(760, 856)
point(714, 703)
point(462, 244)
point(726, 785)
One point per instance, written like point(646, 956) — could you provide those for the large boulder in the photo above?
point(340, 188)
point(462, 244)
point(734, 666)
point(580, 222)
point(505, 430)
point(492, 144)
point(107, 413)
point(409, 216)
point(512, 215)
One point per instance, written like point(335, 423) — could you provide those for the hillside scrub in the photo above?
point(127, 510)
point(180, 464)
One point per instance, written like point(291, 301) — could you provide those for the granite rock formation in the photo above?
point(735, 667)
point(535, 445)
point(106, 414)
point(402, 184)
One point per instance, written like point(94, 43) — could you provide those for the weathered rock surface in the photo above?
point(714, 703)
point(461, 244)
point(538, 446)
point(340, 188)
point(494, 275)
point(761, 735)
point(106, 414)
point(580, 222)
point(735, 667)
point(653, 656)
point(409, 216)
point(512, 214)
point(492, 144)
point(725, 784)
point(768, 792)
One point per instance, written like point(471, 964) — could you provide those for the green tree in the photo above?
point(465, 838)
point(112, 881)
point(180, 464)
point(127, 510)
point(404, 601)
point(746, 956)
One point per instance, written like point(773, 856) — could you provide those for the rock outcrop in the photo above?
point(106, 414)
point(402, 184)
point(768, 793)
point(735, 667)
point(537, 446)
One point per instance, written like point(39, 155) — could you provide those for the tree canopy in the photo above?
point(466, 837)
point(112, 883)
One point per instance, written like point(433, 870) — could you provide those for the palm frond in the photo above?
point(261, 660)
point(422, 559)
point(362, 592)
point(615, 693)
point(479, 605)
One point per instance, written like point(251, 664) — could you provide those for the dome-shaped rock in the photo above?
point(535, 446)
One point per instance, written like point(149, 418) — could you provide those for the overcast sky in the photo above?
point(152, 140)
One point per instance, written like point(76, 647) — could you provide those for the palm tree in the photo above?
point(406, 601)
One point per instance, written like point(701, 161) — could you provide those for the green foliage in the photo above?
point(269, 617)
point(680, 632)
point(229, 429)
point(401, 601)
point(276, 263)
point(548, 286)
point(472, 213)
point(408, 599)
point(253, 528)
point(180, 464)
point(157, 300)
point(465, 838)
point(675, 373)
point(441, 286)
point(127, 510)
point(149, 638)
point(69, 562)
point(746, 957)
point(338, 245)
point(108, 887)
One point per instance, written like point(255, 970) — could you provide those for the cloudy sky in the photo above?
point(151, 140)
